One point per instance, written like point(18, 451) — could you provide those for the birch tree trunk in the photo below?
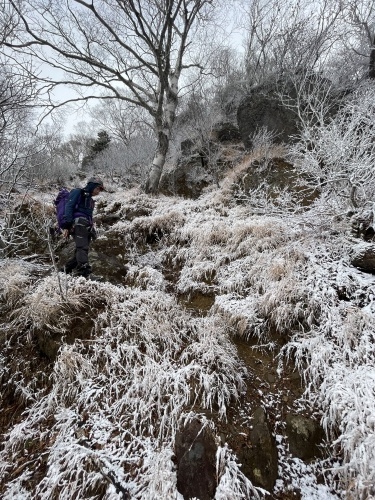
point(154, 175)
point(163, 124)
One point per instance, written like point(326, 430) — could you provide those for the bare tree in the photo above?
point(122, 119)
point(290, 36)
point(75, 149)
point(126, 163)
point(359, 45)
point(129, 50)
point(17, 99)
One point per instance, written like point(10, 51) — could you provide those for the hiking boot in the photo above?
point(65, 270)
point(93, 277)
point(84, 270)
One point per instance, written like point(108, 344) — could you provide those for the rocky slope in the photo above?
point(218, 352)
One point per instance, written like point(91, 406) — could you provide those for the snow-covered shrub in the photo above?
point(126, 163)
point(338, 155)
point(263, 142)
point(337, 357)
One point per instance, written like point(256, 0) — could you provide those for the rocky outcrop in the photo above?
point(104, 258)
point(272, 106)
point(195, 450)
point(272, 176)
point(226, 132)
point(263, 108)
point(363, 253)
point(363, 225)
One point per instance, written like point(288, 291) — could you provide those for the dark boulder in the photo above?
point(363, 225)
point(263, 108)
point(226, 132)
point(304, 435)
point(195, 450)
point(259, 458)
point(363, 256)
point(272, 106)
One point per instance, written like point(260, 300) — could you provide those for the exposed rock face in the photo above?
point(103, 257)
point(274, 175)
point(106, 261)
point(195, 450)
point(202, 162)
point(187, 179)
point(363, 254)
point(264, 109)
point(226, 132)
point(260, 459)
point(305, 435)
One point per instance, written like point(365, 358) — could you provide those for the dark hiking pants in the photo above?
point(82, 237)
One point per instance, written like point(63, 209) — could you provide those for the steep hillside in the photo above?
point(218, 353)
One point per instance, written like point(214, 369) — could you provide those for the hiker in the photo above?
point(78, 222)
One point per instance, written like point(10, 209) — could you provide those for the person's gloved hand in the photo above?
point(93, 233)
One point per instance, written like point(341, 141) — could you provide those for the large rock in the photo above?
point(224, 132)
point(104, 257)
point(363, 256)
point(195, 449)
point(304, 435)
point(363, 225)
point(260, 459)
point(262, 108)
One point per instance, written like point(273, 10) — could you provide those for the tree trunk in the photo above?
point(163, 126)
point(154, 175)
point(371, 70)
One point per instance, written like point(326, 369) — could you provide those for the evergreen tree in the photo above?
point(100, 144)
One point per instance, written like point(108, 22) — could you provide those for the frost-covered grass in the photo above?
point(14, 278)
point(107, 425)
point(292, 275)
point(118, 398)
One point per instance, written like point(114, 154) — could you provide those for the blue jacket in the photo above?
point(79, 204)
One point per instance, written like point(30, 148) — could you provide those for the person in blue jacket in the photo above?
point(79, 223)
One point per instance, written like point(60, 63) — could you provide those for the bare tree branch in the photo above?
point(129, 50)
